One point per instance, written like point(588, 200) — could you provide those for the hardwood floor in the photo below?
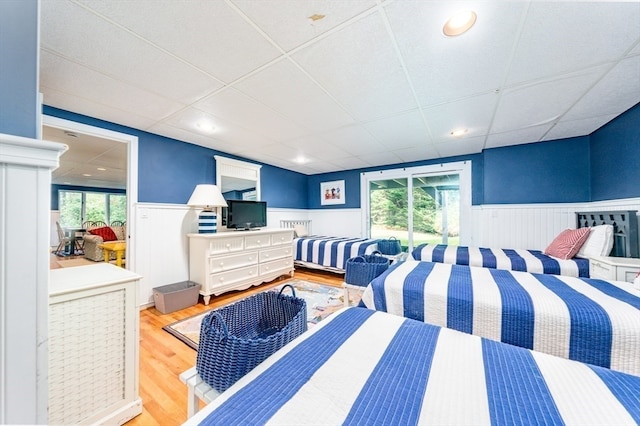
point(163, 357)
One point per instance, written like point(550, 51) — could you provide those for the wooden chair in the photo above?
point(64, 241)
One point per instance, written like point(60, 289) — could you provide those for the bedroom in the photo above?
point(545, 186)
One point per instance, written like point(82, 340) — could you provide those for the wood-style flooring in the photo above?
point(163, 357)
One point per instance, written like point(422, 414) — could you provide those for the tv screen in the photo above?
point(242, 214)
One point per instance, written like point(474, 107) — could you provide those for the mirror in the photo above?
point(238, 180)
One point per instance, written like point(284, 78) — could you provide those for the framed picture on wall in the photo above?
point(332, 192)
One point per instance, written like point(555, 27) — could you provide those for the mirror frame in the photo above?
point(228, 167)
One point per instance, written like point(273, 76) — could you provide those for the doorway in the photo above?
point(428, 204)
point(99, 135)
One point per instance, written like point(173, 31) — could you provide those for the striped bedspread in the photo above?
point(331, 252)
point(370, 368)
point(533, 261)
point(582, 319)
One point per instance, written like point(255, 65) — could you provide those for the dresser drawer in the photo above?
point(257, 241)
point(280, 265)
point(601, 270)
point(224, 263)
point(275, 253)
point(225, 245)
point(627, 274)
point(282, 238)
point(223, 279)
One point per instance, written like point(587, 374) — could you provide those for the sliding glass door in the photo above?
point(418, 205)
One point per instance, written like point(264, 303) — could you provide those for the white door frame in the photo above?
point(132, 170)
point(463, 168)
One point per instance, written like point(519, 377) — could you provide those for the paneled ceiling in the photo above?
point(323, 85)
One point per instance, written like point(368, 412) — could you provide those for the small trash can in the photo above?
point(173, 297)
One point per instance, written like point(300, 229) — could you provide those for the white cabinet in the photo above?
point(93, 345)
point(237, 260)
point(614, 268)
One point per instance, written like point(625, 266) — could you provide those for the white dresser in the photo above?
point(93, 345)
point(614, 268)
point(236, 260)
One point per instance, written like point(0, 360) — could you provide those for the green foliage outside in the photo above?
point(96, 209)
point(390, 216)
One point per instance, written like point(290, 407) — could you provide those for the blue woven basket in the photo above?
point(390, 246)
point(361, 270)
point(238, 337)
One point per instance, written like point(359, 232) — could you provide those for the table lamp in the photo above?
point(209, 198)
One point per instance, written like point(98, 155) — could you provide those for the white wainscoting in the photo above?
point(533, 226)
point(162, 251)
point(162, 248)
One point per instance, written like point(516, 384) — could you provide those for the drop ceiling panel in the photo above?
point(299, 29)
point(314, 147)
point(355, 140)
point(113, 55)
point(359, 67)
point(571, 128)
point(71, 102)
point(618, 91)
point(424, 152)
point(544, 102)
point(447, 68)
point(225, 132)
point(69, 77)
point(346, 163)
point(560, 37)
point(381, 158)
point(287, 90)
point(199, 32)
point(460, 146)
point(473, 114)
point(400, 131)
point(518, 137)
point(237, 108)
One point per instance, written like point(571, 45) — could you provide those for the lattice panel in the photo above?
point(86, 356)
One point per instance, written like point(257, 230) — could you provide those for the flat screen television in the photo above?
point(243, 214)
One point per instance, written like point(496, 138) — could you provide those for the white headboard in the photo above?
point(293, 223)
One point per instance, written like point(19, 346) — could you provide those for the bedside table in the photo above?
point(614, 268)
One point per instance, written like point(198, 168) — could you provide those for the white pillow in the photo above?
point(300, 230)
point(599, 242)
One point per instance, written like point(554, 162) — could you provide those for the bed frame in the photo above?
point(626, 241)
point(290, 224)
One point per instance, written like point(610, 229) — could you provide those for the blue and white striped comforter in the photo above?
point(583, 319)
point(331, 252)
point(370, 368)
point(533, 261)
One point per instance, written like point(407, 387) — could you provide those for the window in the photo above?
point(77, 207)
point(428, 204)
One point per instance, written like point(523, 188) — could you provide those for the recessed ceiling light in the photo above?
point(102, 169)
point(459, 23)
point(459, 133)
point(300, 159)
point(86, 174)
point(205, 126)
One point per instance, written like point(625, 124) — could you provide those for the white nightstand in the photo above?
point(614, 268)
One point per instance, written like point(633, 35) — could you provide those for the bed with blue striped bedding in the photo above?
point(583, 319)
point(371, 368)
point(330, 253)
point(533, 261)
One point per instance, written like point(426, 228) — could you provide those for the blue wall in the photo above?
point(352, 181)
point(544, 172)
point(615, 158)
point(169, 169)
point(19, 68)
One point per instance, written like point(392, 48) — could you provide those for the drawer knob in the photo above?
point(228, 245)
point(221, 279)
point(221, 264)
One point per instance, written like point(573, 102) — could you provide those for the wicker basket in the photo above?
point(390, 246)
point(362, 269)
point(238, 337)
